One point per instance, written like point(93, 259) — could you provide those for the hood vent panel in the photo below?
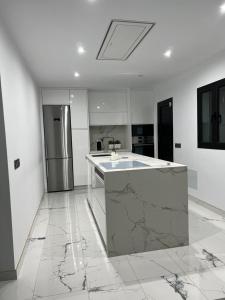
point(121, 39)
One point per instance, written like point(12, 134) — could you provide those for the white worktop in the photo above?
point(152, 163)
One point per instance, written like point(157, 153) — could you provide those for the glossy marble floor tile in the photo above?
point(153, 265)
point(65, 259)
point(211, 283)
point(134, 291)
point(173, 287)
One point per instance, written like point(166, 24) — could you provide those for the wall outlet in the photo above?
point(16, 163)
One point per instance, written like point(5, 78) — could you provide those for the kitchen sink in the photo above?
point(101, 155)
point(131, 164)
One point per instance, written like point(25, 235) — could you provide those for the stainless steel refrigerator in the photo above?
point(58, 147)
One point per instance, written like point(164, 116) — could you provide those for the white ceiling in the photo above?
point(47, 33)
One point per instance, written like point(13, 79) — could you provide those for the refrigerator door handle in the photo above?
point(46, 168)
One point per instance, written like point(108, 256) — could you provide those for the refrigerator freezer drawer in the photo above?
point(59, 174)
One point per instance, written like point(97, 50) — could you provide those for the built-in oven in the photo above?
point(143, 130)
point(143, 139)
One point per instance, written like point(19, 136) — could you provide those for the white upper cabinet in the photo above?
point(55, 96)
point(108, 108)
point(142, 107)
point(79, 109)
point(107, 101)
point(80, 134)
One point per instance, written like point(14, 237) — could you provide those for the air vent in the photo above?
point(121, 39)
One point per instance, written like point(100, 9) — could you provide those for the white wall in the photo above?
point(23, 140)
point(6, 249)
point(207, 165)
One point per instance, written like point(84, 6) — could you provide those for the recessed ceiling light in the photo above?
point(168, 53)
point(81, 50)
point(72, 96)
point(222, 8)
point(76, 74)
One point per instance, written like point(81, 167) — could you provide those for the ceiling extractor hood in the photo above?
point(122, 38)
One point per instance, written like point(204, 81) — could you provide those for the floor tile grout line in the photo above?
point(35, 282)
point(99, 241)
point(40, 262)
point(138, 280)
point(206, 211)
point(187, 275)
point(85, 278)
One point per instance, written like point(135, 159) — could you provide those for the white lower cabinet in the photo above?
point(80, 139)
point(100, 217)
point(96, 198)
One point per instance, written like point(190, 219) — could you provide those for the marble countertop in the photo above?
point(150, 163)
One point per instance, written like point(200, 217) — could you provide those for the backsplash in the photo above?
point(119, 132)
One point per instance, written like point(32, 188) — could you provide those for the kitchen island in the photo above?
point(139, 203)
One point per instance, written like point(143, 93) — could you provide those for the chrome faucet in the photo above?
point(109, 137)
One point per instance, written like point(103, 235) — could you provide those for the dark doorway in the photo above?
point(165, 130)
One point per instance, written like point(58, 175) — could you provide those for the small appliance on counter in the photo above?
point(143, 139)
point(99, 144)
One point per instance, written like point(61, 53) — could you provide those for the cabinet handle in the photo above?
point(46, 168)
point(213, 117)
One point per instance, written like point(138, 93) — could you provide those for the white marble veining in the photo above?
point(119, 132)
point(140, 208)
point(73, 264)
point(146, 210)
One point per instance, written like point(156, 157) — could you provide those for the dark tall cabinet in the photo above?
point(211, 115)
point(165, 130)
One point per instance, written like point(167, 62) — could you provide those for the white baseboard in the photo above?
point(207, 205)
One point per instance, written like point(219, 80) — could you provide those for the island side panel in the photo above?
point(146, 210)
point(96, 200)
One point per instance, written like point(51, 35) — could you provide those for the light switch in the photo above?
point(177, 145)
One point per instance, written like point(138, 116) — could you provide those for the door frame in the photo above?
point(159, 104)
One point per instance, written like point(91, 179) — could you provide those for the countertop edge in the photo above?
point(137, 157)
